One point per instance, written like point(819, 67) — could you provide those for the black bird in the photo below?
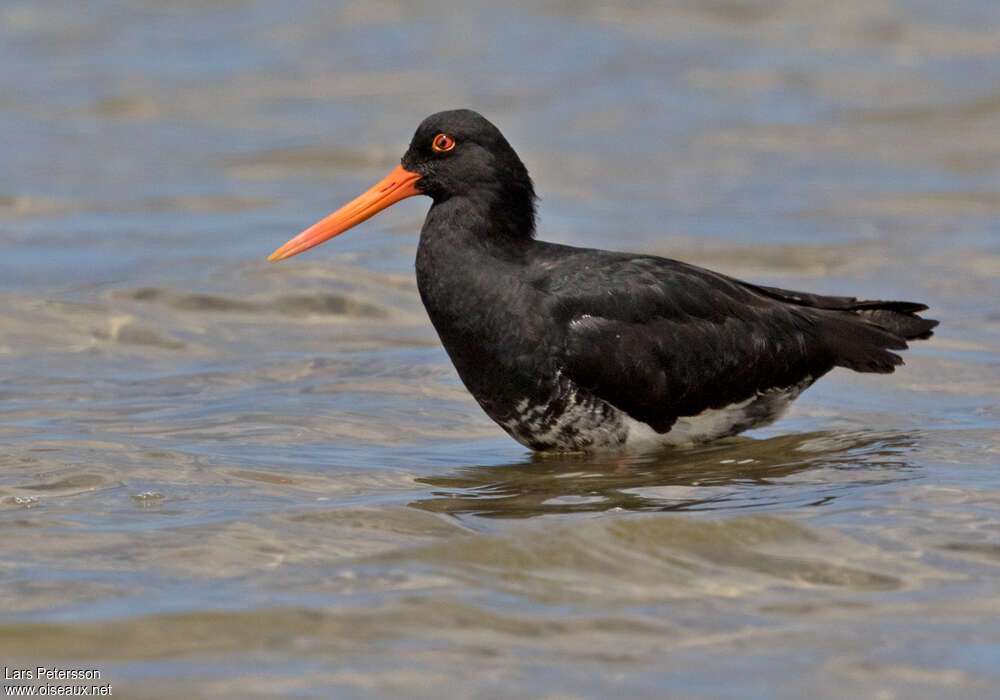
point(581, 349)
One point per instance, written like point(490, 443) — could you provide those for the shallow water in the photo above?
point(223, 478)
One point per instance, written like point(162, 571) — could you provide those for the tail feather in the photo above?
point(860, 334)
point(905, 307)
point(860, 345)
point(904, 324)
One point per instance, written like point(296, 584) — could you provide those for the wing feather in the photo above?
point(661, 339)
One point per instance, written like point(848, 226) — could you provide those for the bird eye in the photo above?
point(442, 143)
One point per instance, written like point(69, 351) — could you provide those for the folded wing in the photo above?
point(661, 339)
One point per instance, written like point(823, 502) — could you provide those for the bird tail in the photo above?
point(860, 334)
point(861, 337)
point(898, 317)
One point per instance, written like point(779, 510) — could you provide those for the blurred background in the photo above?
point(229, 479)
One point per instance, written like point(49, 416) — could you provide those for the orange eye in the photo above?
point(442, 143)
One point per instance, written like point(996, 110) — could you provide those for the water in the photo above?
point(228, 479)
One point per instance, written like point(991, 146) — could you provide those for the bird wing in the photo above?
point(660, 339)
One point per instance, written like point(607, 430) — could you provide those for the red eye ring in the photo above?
point(442, 143)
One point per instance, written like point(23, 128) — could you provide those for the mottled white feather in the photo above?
point(607, 427)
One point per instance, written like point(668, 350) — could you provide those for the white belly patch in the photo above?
point(757, 411)
point(592, 424)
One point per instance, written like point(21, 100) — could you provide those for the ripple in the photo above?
point(287, 304)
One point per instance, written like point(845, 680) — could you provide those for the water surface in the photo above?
point(228, 479)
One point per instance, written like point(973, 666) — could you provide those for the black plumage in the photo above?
point(573, 348)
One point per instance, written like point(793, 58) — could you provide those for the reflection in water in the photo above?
point(701, 477)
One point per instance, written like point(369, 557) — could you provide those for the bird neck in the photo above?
point(469, 233)
point(471, 278)
point(469, 253)
point(501, 212)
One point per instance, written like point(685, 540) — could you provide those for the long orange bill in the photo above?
point(399, 184)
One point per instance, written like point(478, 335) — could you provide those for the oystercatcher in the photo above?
point(572, 349)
